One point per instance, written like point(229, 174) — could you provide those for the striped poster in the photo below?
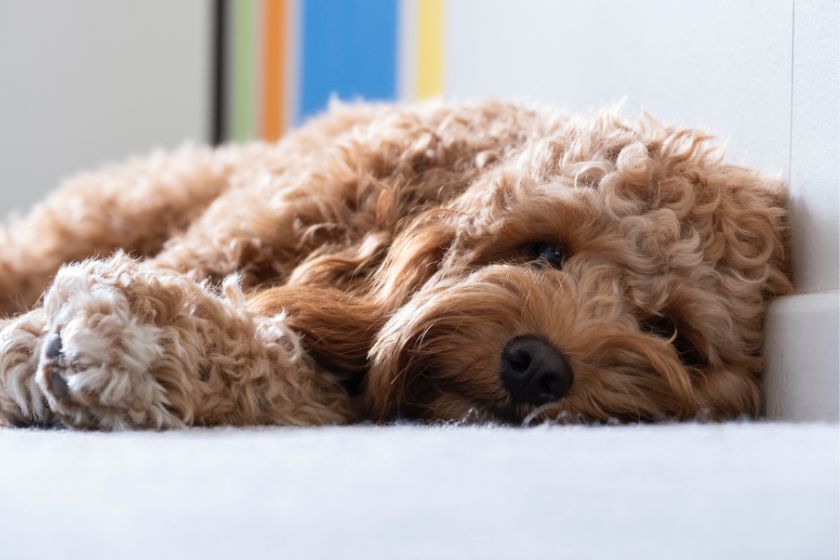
point(285, 59)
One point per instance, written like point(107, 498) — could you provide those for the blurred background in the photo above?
point(92, 81)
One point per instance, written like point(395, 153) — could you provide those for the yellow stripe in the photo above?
point(429, 48)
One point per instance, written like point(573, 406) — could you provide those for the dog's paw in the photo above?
point(22, 403)
point(97, 360)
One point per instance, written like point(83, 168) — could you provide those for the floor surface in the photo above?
point(741, 490)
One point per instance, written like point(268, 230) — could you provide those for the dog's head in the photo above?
point(602, 272)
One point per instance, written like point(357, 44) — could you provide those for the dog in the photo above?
point(490, 261)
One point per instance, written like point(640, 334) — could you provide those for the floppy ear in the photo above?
point(413, 257)
point(384, 388)
point(727, 229)
point(750, 238)
point(337, 328)
point(740, 216)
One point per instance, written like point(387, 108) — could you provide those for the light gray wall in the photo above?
point(815, 146)
point(88, 81)
point(802, 331)
point(723, 65)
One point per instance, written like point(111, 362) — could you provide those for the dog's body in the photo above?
point(487, 261)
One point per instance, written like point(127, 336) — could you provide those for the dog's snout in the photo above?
point(534, 371)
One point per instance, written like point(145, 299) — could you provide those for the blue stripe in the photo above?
point(348, 49)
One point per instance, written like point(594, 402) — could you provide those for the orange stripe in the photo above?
point(274, 61)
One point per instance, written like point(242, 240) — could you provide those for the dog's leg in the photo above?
point(260, 232)
point(138, 205)
point(134, 206)
point(123, 345)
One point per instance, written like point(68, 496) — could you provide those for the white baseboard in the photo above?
point(802, 371)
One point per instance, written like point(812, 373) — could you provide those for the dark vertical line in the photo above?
point(218, 118)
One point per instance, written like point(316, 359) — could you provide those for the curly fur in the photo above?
point(373, 264)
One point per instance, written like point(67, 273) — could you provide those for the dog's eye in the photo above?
point(548, 253)
point(659, 325)
point(667, 328)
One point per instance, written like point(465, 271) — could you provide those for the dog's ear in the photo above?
point(386, 385)
point(726, 227)
point(337, 328)
point(413, 257)
point(740, 216)
point(750, 237)
point(382, 394)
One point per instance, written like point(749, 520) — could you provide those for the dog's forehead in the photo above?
point(548, 208)
point(489, 201)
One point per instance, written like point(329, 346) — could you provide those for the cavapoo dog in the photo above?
point(488, 261)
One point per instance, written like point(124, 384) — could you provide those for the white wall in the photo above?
point(803, 331)
point(89, 81)
point(723, 65)
point(815, 175)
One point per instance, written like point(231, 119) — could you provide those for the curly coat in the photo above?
point(374, 264)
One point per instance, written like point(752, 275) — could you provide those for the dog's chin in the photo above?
point(463, 410)
point(449, 410)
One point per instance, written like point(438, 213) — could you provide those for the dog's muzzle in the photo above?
point(534, 371)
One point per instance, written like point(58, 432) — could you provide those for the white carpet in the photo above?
point(680, 491)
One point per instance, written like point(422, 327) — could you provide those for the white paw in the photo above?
point(22, 403)
point(97, 358)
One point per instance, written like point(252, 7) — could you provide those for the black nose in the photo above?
point(534, 371)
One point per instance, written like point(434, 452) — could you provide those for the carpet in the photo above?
point(736, 490)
